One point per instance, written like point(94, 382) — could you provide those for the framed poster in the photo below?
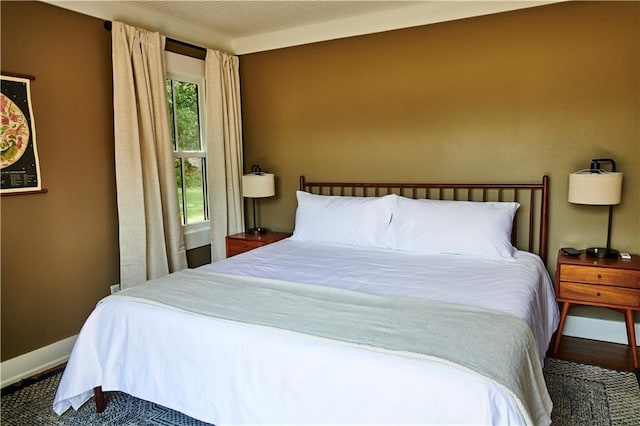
point(19, 165)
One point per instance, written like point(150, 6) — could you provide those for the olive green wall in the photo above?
point(505, 97)
point(59, 249)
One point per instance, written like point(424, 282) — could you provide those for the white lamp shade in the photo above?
point(258, 185)
point(601, 189)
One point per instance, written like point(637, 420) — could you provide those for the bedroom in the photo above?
point(511, 96)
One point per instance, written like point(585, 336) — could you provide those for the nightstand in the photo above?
point(239, 243)
point(611, 283)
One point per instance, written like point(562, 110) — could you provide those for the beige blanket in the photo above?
point(495, 345)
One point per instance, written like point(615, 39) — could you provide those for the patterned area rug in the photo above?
point(581, 394)
point(589, 395)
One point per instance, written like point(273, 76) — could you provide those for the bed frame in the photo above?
point(530, 227)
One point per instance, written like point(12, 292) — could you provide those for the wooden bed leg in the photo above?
point(99, 397)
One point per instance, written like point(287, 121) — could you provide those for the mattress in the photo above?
point(226, 372)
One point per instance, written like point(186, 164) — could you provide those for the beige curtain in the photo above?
point(151, 241)
point(224, 148)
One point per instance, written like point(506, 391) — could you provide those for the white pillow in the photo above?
point(453, 227)
point(357, 221)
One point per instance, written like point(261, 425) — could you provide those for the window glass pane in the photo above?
point(188, 121)
point(177, 165)
point(194, 189)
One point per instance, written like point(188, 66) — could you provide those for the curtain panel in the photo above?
point(224, 149)
point(150, 230)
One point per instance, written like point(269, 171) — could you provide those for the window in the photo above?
point(190, 159)
point(185, 90)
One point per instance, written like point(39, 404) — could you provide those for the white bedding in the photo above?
point(230, 373)
point(521, 288)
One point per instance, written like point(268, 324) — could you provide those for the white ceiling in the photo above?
point(245, 26)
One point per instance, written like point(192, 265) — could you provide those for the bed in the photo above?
point(391, 303)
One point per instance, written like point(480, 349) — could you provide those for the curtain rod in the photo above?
point(107, 26)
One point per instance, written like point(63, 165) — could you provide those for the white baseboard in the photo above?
point(29, 364)
point(604, 325)
point(598, 324)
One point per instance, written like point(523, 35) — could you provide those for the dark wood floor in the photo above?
point(608, 355)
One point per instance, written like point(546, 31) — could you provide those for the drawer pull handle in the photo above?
point(599, 276)
point(598, 294)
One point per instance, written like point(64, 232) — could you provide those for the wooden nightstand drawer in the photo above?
point(240, 246)
point(601, 275)
point(600, 294)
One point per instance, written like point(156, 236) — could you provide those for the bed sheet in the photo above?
point(225, 372)
point(521, 287)
point(229, 373)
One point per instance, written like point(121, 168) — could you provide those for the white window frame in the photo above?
point(192, 70)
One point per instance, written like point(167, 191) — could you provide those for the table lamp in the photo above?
point(257, 184)
point(597, 187)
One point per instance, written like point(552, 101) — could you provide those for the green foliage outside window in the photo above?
point(189, 161)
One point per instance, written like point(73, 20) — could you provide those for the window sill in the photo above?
point(197, 235)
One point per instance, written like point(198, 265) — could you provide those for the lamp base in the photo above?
point(601, 252)
point(257, 231)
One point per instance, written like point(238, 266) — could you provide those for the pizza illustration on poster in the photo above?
point(19, 166)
